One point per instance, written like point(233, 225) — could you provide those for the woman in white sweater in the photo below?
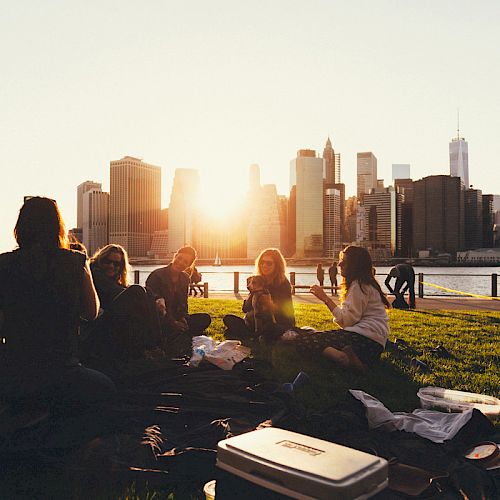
point(361, 316)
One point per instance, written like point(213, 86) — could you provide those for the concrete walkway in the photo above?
point(428, 303)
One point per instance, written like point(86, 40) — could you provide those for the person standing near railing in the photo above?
point(332, 273)
point(320, 274)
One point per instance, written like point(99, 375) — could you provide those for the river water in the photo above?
point(472, 280)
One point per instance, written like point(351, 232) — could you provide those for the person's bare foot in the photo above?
point(354, 363)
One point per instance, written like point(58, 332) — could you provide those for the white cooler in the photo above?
point(302, 467)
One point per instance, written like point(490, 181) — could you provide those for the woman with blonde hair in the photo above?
point(129, 322)
point(361, 315)
point(271, 265)
point(110, 269)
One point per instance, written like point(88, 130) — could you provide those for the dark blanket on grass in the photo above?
point(164, 426)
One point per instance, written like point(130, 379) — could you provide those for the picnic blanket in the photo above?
point(163, 428)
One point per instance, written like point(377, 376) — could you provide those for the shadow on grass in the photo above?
point(393, 385)
point(465, 316)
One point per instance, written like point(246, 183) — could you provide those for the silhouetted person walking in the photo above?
point(405, 275)
point(332, 272)
point(320, 274)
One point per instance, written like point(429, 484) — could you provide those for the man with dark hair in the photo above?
point(405, 275)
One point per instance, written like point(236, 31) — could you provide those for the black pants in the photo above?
point(237, 329)
point(179, 343)
point(128, 327)
point(410, 285)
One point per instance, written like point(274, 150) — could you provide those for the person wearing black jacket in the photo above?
point(45, 288)
point(170, 287)
point(128, 323)
point(272, 266)
point(405, 275)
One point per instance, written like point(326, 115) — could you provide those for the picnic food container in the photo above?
point(300, 466)
point(448, 400)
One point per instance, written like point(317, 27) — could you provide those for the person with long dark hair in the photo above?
point(271, 265)
point(170, 286)
point(361, 315)
point(44, 290)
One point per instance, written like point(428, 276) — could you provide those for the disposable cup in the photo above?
point(209, 490)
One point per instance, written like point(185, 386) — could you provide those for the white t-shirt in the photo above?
point(363, 312)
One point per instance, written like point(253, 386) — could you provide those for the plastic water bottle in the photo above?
point(198, 355)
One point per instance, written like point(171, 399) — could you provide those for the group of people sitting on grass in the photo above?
point(57, 306)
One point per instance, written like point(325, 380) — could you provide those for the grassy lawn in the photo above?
point(472, 337)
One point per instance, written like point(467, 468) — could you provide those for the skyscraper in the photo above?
point(264, 227)
point(438, 214)
point(382, 208)
point(473, 218)
point(332, 181)
point(182, 211)
point(228, 240)
point(80, 190)
point(488, 221)
point(366, 173)
point(459, 159)
point(400, 171)
point(405, 187)
point(332, 164)
point(292, 223)
point(95, 219)
point(135, 202)
point(351, 206)
point(332, 223)
point(306, 173)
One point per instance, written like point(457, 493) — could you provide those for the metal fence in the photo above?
point(301, 282)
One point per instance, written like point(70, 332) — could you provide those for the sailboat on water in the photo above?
point(217, 261)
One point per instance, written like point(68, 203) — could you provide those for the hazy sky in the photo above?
point(222, 84)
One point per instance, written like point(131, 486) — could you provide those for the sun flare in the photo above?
point(220, 201)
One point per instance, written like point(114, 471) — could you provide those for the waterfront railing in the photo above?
point(301, 282)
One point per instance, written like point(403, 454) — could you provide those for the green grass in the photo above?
point(472, 337)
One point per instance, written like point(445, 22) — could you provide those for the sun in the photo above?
point(221, 199)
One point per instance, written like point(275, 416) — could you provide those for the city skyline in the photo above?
point(218, 87)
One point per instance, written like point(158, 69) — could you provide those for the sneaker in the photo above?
point(420, 365)
point(441, 352)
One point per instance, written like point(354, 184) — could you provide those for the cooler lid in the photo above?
point(302, 453)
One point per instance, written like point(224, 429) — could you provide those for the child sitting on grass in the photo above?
point(361, 314)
